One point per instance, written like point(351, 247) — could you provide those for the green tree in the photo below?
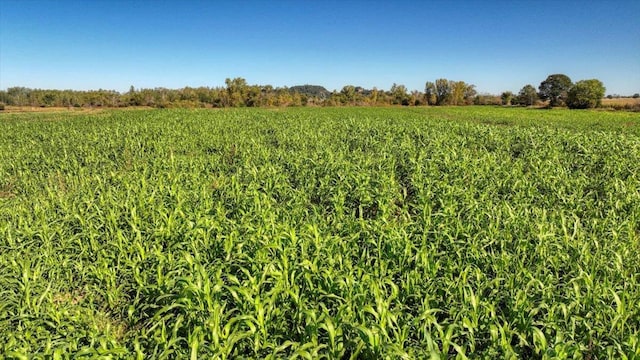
point(236, 91)
point(373, 96)
point(506, 97)
point(348, 93)
point(430, 93)
point(458, 89)
point(527, 95)
point(19, 95)
point(49, 98)
point(399, 95)
point(4, 97)
point(449, 92)
point(443, 91)
point(469, 93)
point(586, 94)
point(416, 98)
point(267, 95)
point(555, 89)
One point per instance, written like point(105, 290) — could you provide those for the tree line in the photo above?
point(556, 90)
point(238, 93)
point(559, 90)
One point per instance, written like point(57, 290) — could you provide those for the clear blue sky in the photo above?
point(496, 45)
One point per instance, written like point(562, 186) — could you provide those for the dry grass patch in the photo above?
point(621, 101)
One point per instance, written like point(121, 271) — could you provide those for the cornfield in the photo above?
point(345, 233)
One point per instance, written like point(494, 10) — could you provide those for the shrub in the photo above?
point(585, 94)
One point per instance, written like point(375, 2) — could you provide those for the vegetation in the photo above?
point(237, 92)
point(312, 91)
point(362, 233)
point(627, 104)
point(527, 96)
point(487, 99)
point(506, 97)
point(449, 92)
point(555, 89)
point(585, 94)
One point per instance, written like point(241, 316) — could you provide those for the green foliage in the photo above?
point(430, 93)
point(462, 93)
point(443, 91)
point(449, 92)
point(555, 89)
point(399, 95)
point(238, 93)
point(586, 94)
point(320, 233)
point(487, 99)
point(506, 97)
point(311, 91)
point(527, 96)
point(348, 94)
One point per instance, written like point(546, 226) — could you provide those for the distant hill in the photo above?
point(311, 91)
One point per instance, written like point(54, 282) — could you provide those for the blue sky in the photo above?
point(496, 45)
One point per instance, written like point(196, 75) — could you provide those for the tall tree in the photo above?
point(236, 90)
point(373, 96)
point(506, 97)
point(469, 94)
point(457, 92)
point(527, 95)
point(443, 91)
point(430, 93)
point(399, 95)
point(416, 98)
point(348, 93)
point(555, 89)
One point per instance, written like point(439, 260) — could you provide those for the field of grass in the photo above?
point(360, 233)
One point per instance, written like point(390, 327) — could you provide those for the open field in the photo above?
point(621, 101)
point(320, 233)
point(38, 109)
point(66, 110)
point(632, 104)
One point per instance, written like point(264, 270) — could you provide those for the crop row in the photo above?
point(333, 233)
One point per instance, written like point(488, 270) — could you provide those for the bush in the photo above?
point(1, 106)
point(624, 107)
point(585, 94)
point(486, 99)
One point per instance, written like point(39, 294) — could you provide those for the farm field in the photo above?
point(621, 101)
point(336, 233)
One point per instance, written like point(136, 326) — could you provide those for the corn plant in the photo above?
point(352, 233)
